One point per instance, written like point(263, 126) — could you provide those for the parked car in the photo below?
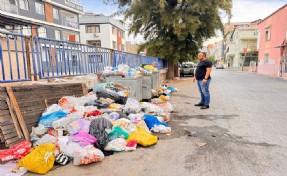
point(219, 66)
point(187, 68)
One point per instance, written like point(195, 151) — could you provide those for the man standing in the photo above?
point(202, 75)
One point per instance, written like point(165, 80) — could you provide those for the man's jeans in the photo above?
point(204, 91)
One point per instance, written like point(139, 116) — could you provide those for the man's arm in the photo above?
point(208, 71)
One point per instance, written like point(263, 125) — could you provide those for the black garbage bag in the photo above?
point(98, 130)
point(106, 93)
point(98, 104)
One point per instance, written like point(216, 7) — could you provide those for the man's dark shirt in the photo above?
point(201, 69)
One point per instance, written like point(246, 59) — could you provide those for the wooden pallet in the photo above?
point(22, 106)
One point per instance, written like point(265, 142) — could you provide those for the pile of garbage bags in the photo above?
point(126, 71)
point(84, 130)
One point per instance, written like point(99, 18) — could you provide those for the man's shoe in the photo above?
point(199, 104)
point(204, 107)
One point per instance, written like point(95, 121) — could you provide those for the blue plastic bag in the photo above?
point(47, 120)
point(151, 121)
point(172, 89)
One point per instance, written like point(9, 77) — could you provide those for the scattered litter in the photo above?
point(200, 144)
point(84, 130)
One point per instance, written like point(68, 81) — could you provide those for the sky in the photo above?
point(242, 11)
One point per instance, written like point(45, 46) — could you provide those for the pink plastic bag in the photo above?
point(79, 125)
point(17, 151)
point(84, 139)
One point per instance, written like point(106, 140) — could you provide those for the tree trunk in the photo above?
point(176, 74)
point(170, 71)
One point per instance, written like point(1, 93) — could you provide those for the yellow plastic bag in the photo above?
point(41, 160)
point(149, 68)
point(142, 137)
point(142, 125)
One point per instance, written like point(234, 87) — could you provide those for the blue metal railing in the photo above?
point(135, 60)
point(13, 59)
point(57, 58)
point(22, 57)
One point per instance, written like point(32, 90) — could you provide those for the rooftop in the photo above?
point(274, 13)
point(90, 18)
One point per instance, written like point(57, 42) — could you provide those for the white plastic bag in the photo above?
point(151, 109)
point(87, 155)
point(136, 118)
point(132, 106)
point(68, 148)
point(131, 128)
point(39, 131)
point(161, 129)
point(116, 145)
point(68, 103)
point(51, 109)
point(46, 139)
point(62, 123)
point(6, 169)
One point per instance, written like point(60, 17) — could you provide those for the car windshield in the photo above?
point(187, 66)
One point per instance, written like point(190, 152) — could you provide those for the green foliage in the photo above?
point(174, 29)
point(211, 58)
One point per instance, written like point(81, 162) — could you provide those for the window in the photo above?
point(27, 30)
point(24, 4)
point(13, 2)
point(268, 34)
point(57, 35)
point(96, 43)
point(56, 14)
point(93, 29)
point(39, 8)
point(266, 59)
point(114, 45)
point(42, 32)
point(113, 30)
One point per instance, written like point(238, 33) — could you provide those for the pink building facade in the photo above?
point(272, 44)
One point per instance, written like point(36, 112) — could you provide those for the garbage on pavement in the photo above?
point(126, 71)
point(83, 130)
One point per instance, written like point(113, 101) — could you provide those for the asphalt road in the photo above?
point(245, 132)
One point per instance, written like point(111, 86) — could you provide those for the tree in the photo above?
point(211, 58)
point(174, 29)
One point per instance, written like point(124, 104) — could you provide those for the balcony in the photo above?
point(70, 23)
point(69, 19)
point(8, 6)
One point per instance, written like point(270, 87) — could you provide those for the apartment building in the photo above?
point(102, 31)
point(55, 19)
point(272, 44)
point(240, 45)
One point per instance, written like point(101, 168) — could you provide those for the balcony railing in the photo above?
point(70, 23)
point(8, 7)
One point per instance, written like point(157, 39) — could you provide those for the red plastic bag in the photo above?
point(95, 113)
point(17, 151)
